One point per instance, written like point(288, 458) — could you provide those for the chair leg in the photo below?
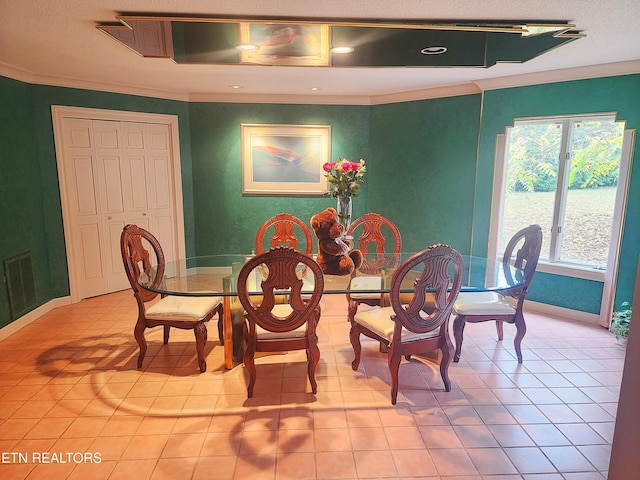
point(458, 334)
point(445, 361)
point(138, 333)
point(165, 337)
point(394, 365)
point(354, 336)
point(249, 365)
point(499, 329)
point(352, 310)
point(313, 357)
point(521, 330)
point(200, 331)
point(220, 324)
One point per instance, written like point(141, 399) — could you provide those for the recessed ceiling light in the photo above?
point(247, 47)
point(342, 50)
point(235, 87)
point(433, 50)
point(314, 89)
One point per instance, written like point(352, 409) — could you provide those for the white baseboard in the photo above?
point(561, 312)
point(25, 320)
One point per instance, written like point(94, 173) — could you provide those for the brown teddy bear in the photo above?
point(335, 256)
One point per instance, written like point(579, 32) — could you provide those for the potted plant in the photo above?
point(620, 321)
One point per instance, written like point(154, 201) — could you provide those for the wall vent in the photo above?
point(20, 284)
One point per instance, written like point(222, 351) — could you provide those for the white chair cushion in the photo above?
point(378, 320)
point(282, 311)
point(364, 283)
point(187, 309)
point(482, 303)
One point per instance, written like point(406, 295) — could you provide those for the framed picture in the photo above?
point(285, 44)
point(285, 159)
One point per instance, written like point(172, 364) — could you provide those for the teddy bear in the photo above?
point(335, 254)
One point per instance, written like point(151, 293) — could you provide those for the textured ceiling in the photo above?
point(57, 43)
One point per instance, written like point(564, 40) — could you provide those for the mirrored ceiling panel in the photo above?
point(312, 42)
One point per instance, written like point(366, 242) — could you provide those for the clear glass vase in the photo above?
point(344, 211)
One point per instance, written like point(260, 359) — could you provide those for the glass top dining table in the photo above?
point(215, 275)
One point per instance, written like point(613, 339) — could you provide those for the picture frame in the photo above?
point(284, 159)
point(285, 44)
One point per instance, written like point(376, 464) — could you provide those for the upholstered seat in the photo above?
point(186, 309)
point(483, 303)
point(376, 319)
point(359, 285)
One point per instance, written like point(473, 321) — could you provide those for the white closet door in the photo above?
point(118, 173)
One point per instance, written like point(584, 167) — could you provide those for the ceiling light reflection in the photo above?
point(340, 50)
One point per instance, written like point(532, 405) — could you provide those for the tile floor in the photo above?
point(73, 405)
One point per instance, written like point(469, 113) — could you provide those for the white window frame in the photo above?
point(609, 274)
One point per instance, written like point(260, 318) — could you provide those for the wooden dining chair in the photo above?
point(281, 230)
point(170, 311)
point(278, 327)
point(413, 326)
point(375, 236)
point(286, 230)
point(474, 307)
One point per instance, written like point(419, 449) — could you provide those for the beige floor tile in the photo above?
point(375, 464)
point(295, 466)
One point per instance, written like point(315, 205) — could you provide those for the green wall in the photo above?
point(226, 220)
point(426, 170)
point(611, 94)
point(423, 157)
point(21, 196)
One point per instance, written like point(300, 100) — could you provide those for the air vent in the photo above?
point(20, 284)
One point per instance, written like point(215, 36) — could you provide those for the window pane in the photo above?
point(593, 177)
point(531, 175)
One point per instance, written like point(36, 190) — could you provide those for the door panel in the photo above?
point(113, 186)
point(83, 179)
point(89, 238)
point(137, 176)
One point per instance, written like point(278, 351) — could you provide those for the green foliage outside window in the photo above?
point(533, 156)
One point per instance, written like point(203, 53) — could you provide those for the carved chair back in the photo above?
point(528, 242)
point(284, 268)
point(368, 231)
point(436, 276)
point(285, 227)
point(137, 259)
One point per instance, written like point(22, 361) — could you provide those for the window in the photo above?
point(562, 173)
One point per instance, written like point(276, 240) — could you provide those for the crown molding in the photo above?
point(311, 99)
point(426, 94)
point(67, 82)
point(561, 75)
point(475, 87)
point(10, 71)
